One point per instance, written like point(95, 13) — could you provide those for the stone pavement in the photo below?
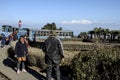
point(7, 68)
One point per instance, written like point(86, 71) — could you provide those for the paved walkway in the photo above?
point(7, 68)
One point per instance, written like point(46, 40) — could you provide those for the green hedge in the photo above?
point(100, 64)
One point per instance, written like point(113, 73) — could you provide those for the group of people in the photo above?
point(53, 54)
point(7, 40)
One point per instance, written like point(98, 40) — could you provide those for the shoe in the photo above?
point(18, 71)
point(23, 70)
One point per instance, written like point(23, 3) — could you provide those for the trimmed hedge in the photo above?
point(99, 64)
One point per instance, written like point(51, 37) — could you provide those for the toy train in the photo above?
point(31, 33)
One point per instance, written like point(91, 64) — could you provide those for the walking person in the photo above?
point(15, 36)
point(53, 55)
point(3, 42)
point(21, 51)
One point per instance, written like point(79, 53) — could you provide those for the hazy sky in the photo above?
point(76, 15)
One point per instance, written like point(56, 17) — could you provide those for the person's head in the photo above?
point(25, 36)
point(10, 34)
point(15, 32)
point(22, 39)
point(53, 33)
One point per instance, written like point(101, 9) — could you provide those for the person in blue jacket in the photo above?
point(3, 42)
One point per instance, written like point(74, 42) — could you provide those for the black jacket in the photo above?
point(0, 38)
point(53, 50)
point(21, 49)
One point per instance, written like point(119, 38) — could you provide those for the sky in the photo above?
point(75, 15)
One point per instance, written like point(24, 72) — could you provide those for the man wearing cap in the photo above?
point(53, 54)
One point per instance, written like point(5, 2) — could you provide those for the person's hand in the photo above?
point(63, 60)
point(27, 54)
point(62, 56)
point(15, 56)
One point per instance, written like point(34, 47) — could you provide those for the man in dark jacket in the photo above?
point(53, 54)
point(15, 36)
point(21, 51)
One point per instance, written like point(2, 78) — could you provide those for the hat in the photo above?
point(53, 33)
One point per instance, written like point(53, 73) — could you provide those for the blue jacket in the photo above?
point(3, 40)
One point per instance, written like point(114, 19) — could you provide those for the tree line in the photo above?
point(101, 33)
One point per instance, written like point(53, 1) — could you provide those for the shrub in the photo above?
point(36, 57)
point(100, 64)
point(35, 60)
point(10, 52)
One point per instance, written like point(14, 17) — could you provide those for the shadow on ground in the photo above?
point(11, 62)
point(64, 70)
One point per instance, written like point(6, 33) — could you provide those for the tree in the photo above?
point(114, 34)
point(105, 32)
point(51, 26)
point(82, 35)
point(60, 28)
point(91, 34)
point(97, 31)
point(119, 37)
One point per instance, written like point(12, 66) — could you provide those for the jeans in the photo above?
point(2, 45)
point(10, 42)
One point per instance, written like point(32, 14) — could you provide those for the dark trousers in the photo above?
point(49, 71)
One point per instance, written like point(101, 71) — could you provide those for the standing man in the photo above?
point(15, 36)
point(53, 55)
point(21, 51)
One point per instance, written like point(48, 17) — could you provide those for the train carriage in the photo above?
point(6, 30)
point(35, 33)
